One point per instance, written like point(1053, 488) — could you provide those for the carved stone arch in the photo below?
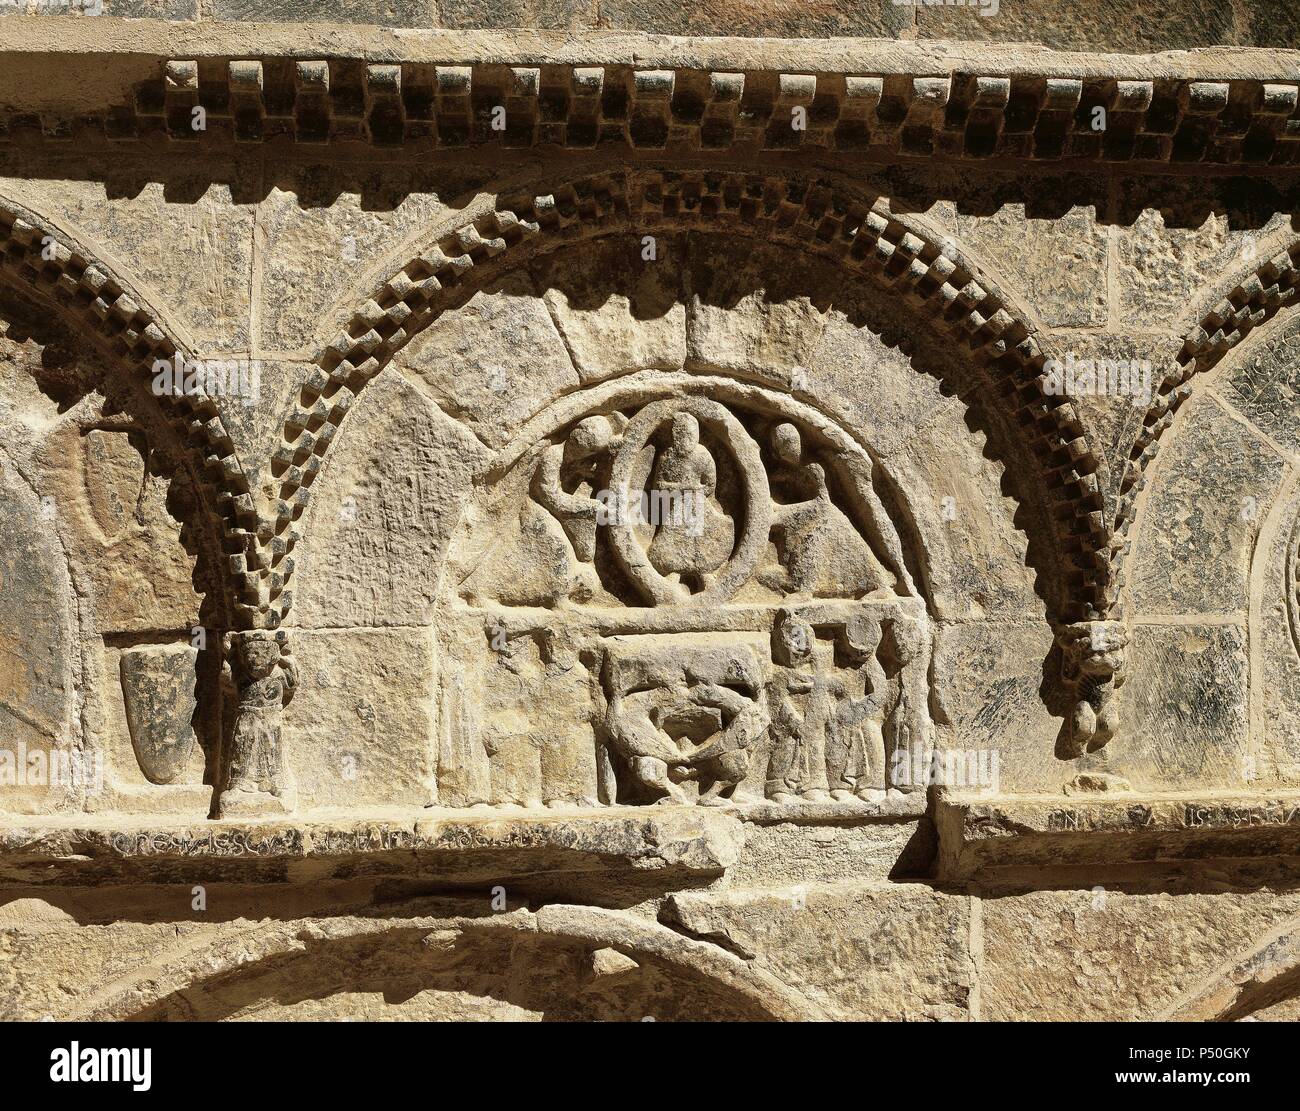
point(998, 368)
point(1250, 302)
point(824, 219)
point(108, 311)
point(1266, 976)
point(579, 961)
point(65, 290)
point(1206, 539)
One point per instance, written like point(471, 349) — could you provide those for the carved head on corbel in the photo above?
point(1092, 663)
point(257, 655)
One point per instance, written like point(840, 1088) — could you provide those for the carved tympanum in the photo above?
point(694, 592)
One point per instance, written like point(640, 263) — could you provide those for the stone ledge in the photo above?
point(106, 37)
point(981, 835)
point(456, 845)
point(428, 90)
point(460, 849)
point(866, 111)
point(896, 806)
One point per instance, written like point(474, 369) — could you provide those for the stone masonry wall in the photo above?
point(632, 523)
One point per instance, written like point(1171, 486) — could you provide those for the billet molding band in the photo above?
point(967, 114)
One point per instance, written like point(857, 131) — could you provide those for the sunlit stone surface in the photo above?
point(634, 523)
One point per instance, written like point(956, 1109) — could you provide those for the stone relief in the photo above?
point(1093, 660)
point(264, 675)
point(728, 586)
point(637, 591)
point(158, 690)
point(712, 507)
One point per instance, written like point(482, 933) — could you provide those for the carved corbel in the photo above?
point(1092, 667)
point(263, 675)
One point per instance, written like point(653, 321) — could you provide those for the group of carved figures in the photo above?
point(740, 595)
point(805, 717)
point(695, 507)
point(769, 635)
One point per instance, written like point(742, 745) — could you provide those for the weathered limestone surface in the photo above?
point(649, 510)
point(1111, 954)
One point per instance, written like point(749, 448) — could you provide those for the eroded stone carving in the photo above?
point(715, 577)
point(158, 690)
point(101, 302)
point(681, 713)
point(264, 675)
point(1092, 654)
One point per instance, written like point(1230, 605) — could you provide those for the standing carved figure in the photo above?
point(1093, 661)
point(265, 676)
point(801, 700)
point(909, 731)
point(855, 740)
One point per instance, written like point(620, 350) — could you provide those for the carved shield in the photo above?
point(158, 689)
